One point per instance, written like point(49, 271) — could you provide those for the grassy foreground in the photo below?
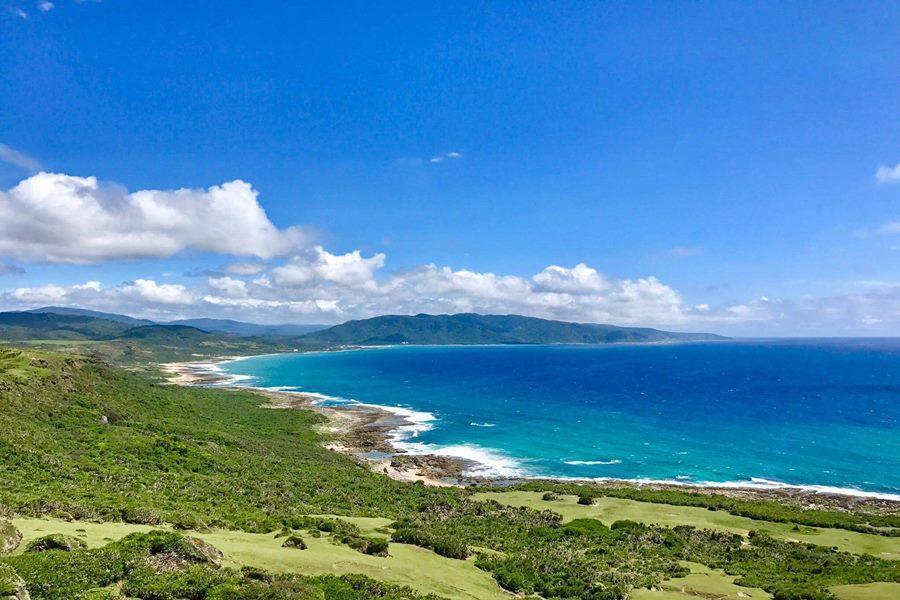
point(420, 569)
point(610, 510)
point(115, 454)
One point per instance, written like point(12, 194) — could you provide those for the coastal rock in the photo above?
point(12, 587)
point(10, 537)
point(55, 541)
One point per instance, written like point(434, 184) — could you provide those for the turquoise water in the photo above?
point(812, 413)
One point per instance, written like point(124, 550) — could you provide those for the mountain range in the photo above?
point(74, 324)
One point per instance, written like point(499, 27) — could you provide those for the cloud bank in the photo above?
point(58, 218)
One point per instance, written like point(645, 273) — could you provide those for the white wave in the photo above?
point(486, 462)
point(473, 424)
point(756, 483)
point(614, 461)
point(413, 423)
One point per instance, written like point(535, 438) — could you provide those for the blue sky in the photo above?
point(728, 151)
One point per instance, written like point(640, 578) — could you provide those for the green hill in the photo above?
point(84, 312)
point(52, 326)
point(471, 328)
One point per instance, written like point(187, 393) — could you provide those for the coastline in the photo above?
point(374, 437)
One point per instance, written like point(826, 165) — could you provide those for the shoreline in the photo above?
point(368, 433)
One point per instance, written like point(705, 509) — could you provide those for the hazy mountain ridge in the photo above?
point(471, 328)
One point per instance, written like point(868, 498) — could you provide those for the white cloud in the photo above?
point(233, 288)
point(579, 279)
point(61, 218)
point(18, 158)
point(244, 268)
point(147, 290)
point(886, 174)
point(445, 156)
point(579, 293)
point(319, 265)
point(46, 6)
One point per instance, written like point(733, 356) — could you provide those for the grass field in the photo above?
point(609, 510)
point(416, 567)
point(703, 582)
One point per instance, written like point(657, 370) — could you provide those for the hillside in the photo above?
point(122, 343)
point(487, 329)
point(53, 326)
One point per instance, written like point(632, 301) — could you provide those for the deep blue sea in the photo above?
point(811, 413)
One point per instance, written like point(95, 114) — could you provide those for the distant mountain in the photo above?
point(486, 329)
point(212, 325)
point(53, 326)
point(247, 329)
point(162, 334)
point(83, 312)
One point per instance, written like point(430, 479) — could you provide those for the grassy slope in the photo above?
point(609, 510)
point(702, 582)
point(182, 455)
point(408, 565)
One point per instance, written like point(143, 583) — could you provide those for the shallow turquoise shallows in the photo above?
point(812, 413)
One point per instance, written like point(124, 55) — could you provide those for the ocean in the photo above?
point(821, 414)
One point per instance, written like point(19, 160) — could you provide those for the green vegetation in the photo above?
point(879, 523)
point(55, 541)
point(118, 455)
point(161, 565)
point(610, 509)
point(702, 582)
point(485, 329)
point(407, 565)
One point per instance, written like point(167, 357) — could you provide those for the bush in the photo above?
point(377, 547)
point(548, 496)
point(55, 541)
point(294, 541)
point(585, 500)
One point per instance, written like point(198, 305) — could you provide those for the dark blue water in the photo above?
point(818, 413)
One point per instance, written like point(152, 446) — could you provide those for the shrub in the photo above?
point(294, 541)
point(55, 541)
point(377, 547)
point(585, 500)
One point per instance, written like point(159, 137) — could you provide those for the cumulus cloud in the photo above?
point(147, 290)
point(46, 6)
point(327, 288)
point(887, 174)
point(61, 218)
point(232, 288)
point(317, 264)
point(18, 158)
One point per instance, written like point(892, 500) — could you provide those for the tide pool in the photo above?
point(821, 413)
